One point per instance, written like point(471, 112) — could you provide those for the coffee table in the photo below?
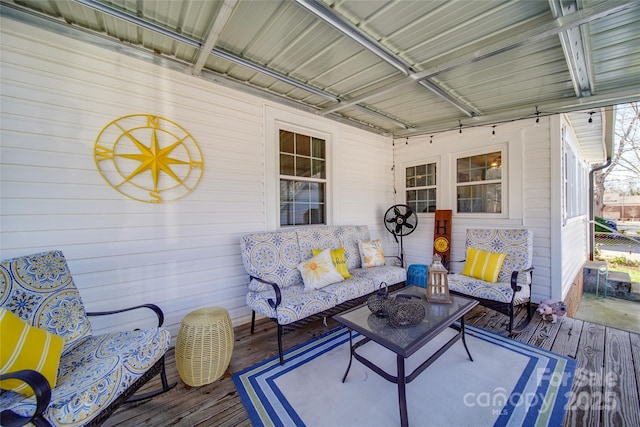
point(405, 341)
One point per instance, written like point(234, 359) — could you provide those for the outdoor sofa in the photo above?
point(277, 290)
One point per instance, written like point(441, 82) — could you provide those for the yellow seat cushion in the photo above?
point(25, 347)
point(483, 265)
point(338, 259)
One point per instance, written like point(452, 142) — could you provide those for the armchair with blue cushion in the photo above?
point(500, 274)
point(95, 373)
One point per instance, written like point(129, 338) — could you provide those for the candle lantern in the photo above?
point(438, 285)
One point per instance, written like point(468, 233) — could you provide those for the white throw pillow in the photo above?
point(371, 254)
point(319, 271)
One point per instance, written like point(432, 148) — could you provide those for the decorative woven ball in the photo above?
point(406, 312)
point(204, 346)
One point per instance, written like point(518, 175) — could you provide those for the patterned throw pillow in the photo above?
point(483, 265)
point(319, 271)
point(26, 347)
point(339, 261)
point(371, 254)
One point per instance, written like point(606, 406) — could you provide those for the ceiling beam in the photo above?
point(321, 11)
point(576, 48)
point(208, 48)
point(214, 33)
point(549, 29)
point(117, 13)
point(382, 116)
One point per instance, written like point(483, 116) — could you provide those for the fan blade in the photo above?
point(398, 228)
point(408, 225)
point(409, 213)
point(391, 220)
point(396, 211)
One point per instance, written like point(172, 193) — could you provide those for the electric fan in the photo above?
point(400, 220)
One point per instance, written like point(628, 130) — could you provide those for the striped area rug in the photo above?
point(509, 383)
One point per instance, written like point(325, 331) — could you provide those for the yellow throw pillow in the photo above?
point(483, 265)
point(371, 254)
point(319, 271)
point(26, 347)
point(338, 259)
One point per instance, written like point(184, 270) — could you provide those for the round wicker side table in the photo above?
point(204, 346)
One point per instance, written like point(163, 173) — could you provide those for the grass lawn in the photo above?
point(634, 272)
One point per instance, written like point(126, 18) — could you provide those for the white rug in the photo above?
point(509, 383)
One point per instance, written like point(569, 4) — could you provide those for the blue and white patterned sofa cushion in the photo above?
point(273, 257)
point(354, 287)
point(297, 303)
point(390, 274)
point(320, 237)
point(350, 236)
point(517, 244)
point(94, 370)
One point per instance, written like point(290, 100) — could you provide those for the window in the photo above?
point(479, 183)
point(302, 179)
point(421, 187)
point(575, 184)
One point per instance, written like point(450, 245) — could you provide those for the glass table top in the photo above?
point(408, 339)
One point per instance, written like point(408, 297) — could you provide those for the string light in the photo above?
point(537, 114)
point(493, 131)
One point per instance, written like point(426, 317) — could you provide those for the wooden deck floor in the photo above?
point(605, 390)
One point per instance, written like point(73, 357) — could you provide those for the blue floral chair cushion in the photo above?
point(40, 290)
point(94, 371)
point(517, 244)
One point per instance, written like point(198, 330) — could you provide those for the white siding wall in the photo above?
point(573, 229)
point(527, 190)
point(56, 96)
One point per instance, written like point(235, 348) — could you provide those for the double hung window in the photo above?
point(421, 187)
point(303, 179)
point(479, 183)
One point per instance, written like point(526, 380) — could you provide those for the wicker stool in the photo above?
point(204, 346)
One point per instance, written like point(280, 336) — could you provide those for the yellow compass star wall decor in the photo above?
point(148, 158)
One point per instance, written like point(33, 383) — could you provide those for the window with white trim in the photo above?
point(303, 179)
point(479, 182)
point(575, 184)
point(420, 187)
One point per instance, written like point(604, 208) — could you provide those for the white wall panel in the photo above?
point(57, 94)
point(527, 183)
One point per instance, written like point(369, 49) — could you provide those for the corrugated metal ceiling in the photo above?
point(399, 67)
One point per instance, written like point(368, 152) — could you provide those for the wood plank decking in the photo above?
point(604, 393)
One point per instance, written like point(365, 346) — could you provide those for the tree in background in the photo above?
point(623, 174)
